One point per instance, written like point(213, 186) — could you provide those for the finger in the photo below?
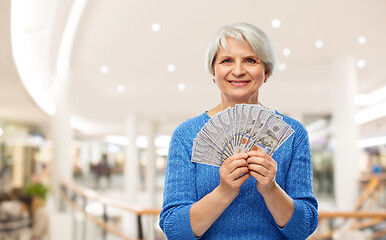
point(259, 169)
point(235, 157)
point(238, 172)
point(268, 163)
point(237, 163)
point(232, 166)
point(230, 169)
point(242, 179)
point(257, 154)
point(259, 178)
point(239, 156)
point(262, 155)
point(259, 161)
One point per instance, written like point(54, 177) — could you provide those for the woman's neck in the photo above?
point(225, 104)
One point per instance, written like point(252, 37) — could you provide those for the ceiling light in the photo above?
point(286, 52)
point(362, 40)
point(282, 66)
point(105, 70)
point(121, 88)
point(317, 125)
point(142, 142)
point(117, 139)
point(275, 23)
point(361, 63)
point(171, 68)
point(319, 44)
point(162, 141)
point(369, 142)
point(155, 27)
point(371, 113)
point(181, 87)
point(371, 98)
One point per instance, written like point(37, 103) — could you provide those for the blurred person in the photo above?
point(252, 195)
point(15, 221)
point(40, 225)
point(4, 196)
point(103, 171)
point(45, 174)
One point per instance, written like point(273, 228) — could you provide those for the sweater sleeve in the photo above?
point(179, 192)
point(304, 219)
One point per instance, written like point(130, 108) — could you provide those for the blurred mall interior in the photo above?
point(91, 91)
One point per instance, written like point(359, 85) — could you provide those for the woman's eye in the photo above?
point(226, 61)
point(251, 60)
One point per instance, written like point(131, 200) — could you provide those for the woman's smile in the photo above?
point(238, 83)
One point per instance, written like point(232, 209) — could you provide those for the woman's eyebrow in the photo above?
point(224, 56)
point(251, 56)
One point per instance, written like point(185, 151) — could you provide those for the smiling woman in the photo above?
point(252, 195)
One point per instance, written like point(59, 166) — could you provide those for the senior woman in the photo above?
point(252, 195)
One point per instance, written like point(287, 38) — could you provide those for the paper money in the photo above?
point(243, 128)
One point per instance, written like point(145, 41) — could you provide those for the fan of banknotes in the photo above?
point(243, 128)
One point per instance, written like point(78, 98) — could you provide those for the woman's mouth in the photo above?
point(238, 83)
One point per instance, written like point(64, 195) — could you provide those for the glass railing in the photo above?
point(366, 221)
point(96, 216)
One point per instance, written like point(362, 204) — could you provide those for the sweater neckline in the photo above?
point(205, 115)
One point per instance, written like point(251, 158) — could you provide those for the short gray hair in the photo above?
point(258, 40)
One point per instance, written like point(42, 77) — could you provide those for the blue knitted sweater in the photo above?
point(247, 217)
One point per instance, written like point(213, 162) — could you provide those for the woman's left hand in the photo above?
point(263, 168)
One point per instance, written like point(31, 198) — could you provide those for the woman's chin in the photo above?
point(238, 99)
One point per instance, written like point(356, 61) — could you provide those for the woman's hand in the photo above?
point(263, 168)
point(233, 173)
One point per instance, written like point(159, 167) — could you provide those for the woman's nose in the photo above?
point(238, 69)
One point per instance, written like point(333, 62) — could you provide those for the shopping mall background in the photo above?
point(82, 79)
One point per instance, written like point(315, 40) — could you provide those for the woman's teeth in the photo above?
point(239, 82)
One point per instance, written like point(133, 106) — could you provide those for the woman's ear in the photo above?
point(266, 76)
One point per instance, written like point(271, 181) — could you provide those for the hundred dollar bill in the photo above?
point(205, 156)
point(243, 128)
point(226, 125)
point(270, 134)
point(206, 141)
point(219, 125)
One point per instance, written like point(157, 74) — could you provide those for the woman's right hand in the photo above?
point(233, 173)
point(204, 212)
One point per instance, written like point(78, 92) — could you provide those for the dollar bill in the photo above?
point(243, 128)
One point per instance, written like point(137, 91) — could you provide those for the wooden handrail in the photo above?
point(369, 176)
point(370, 188)
point(97, 221)
point(139, 211)
point(375, 184)
point(356, 214)
point(378, 234)
point(89, 194)
point(94, 195)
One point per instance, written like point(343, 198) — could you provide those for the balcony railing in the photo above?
point(78, 197)
point(360, 218)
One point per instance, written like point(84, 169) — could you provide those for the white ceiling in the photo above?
point(15, 103)
point(117, 34)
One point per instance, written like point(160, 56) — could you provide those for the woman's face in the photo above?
point(238, 72)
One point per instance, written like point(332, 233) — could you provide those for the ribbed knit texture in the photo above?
point(247, 217)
